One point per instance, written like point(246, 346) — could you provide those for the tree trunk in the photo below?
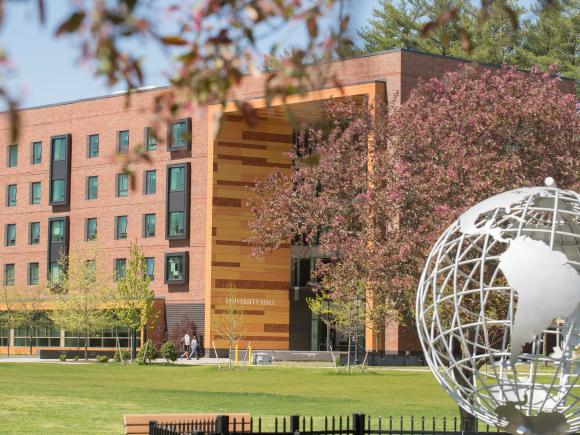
point(86, 345)
point(348, 356)
point(230, 355)
point(30, 337)
point(9, 331)
point(133, 344)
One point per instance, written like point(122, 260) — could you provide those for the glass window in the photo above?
point(34, 233)
point(36, 153)
point(9, 274)
point(10, 234)
point(91, 229)
point(149, 225)
point(176, 223)
point(57, 194)
point(11, 195)
point(57, 231)
point(150, 139)
point(120, 268)
point(150, 267)
point(33, 269)
point(122, 184)
point(35, 193)
point(92, 187)
point(176, 179)
point(54, 272)
point(44, 333)
point(123, 142)
point(150, 182)
point(121, 227)
point(178, 134)
point(12, 156)
point(93, 146)
point(58, 149)
point(174, 267)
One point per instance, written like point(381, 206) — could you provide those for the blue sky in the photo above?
point(47, 69)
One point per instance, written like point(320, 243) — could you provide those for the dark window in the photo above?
point(93, 146)
point(122, 184)
point(150, 139)
point(33, 269)
point(120, 227)
point(149, 224)
point(9, 274)
point(35, 192)
point(150, 182)
point(150, 267)
point(12, 156)
point(57, 191)
point(54, 272)
point(91, 229)
point(176, 223)
point(58, 149)
point(11, 195)
point(178, 134)
point(57, 231)
point(176, 179)
point(120, 268)
point(10, 235)
point(123, 142)
point(175, 268)
point(36, 157)
point(34, 233)
point(92, 187)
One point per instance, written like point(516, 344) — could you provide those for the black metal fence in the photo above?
point(357, 424)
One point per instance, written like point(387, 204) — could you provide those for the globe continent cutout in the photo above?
point(498, 310)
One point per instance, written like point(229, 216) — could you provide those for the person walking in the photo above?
point(193, 347)
point(186, 342)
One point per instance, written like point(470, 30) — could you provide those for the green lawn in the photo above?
point(92, 398)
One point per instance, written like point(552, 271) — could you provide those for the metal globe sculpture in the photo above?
point(498, 310)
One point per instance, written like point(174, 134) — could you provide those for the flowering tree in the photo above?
point(377, 189)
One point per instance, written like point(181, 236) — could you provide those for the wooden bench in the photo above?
point(138, 424)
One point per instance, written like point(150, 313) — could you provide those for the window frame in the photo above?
point(88, 238)
point(5, 277)
point(33, 184)
point(32, 225)
point(6, 240)
point(187, 140)
point(117, 221)
point(185, 258)
point(145, 234)
point(9, 163)
point(29, 273)
point(116, 262)
point(51, 225)
point(8, 194)
point(89, 149)
point(149, 146)
point(152, 275)
point(118, 185)
point(146, 182)
point(33, 154)
point(121, 150)
point(180, 235)
point(88, 187)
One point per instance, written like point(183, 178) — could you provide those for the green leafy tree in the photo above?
point(9, 315)
point(147, 353)
point(31, 312)
point(81, 294)
point(228, 322)
point(133, 300)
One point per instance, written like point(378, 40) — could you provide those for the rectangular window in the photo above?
point(178, 134)
point(36, 157)
point(9, 274)
point(58, 149)
point(150, 182)
point(33, 269)
point(54, 272)
point(122, 184)
point(92, 187)
point(175, 268)
point(57, 231)
point(35, 192)
point(12, 156)
point(120, 268)
point(57, 191)
point(123, 142)
point(34, 233)
point(149, 225)
point(176, 179)
point(11, 195)
point(150, 139)
point(10, 235)
point(176, 223)
point(150, 267)
point(93, 146)
point(120, 227)
point(91, 229)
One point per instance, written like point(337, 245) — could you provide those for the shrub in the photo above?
point(75, 358)
point(62, 357)
point(147, 353)
point(102, 358)
point(169, 351)
point(124, 353)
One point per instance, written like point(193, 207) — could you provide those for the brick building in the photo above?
point(63, 187)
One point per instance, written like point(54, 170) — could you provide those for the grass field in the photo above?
point(92, 398)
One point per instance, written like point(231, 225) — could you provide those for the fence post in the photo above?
point(358, 424)
point(152, 424)
point(222, 424)
point(295, 424)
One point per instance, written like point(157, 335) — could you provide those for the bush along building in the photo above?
point(187, 208)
